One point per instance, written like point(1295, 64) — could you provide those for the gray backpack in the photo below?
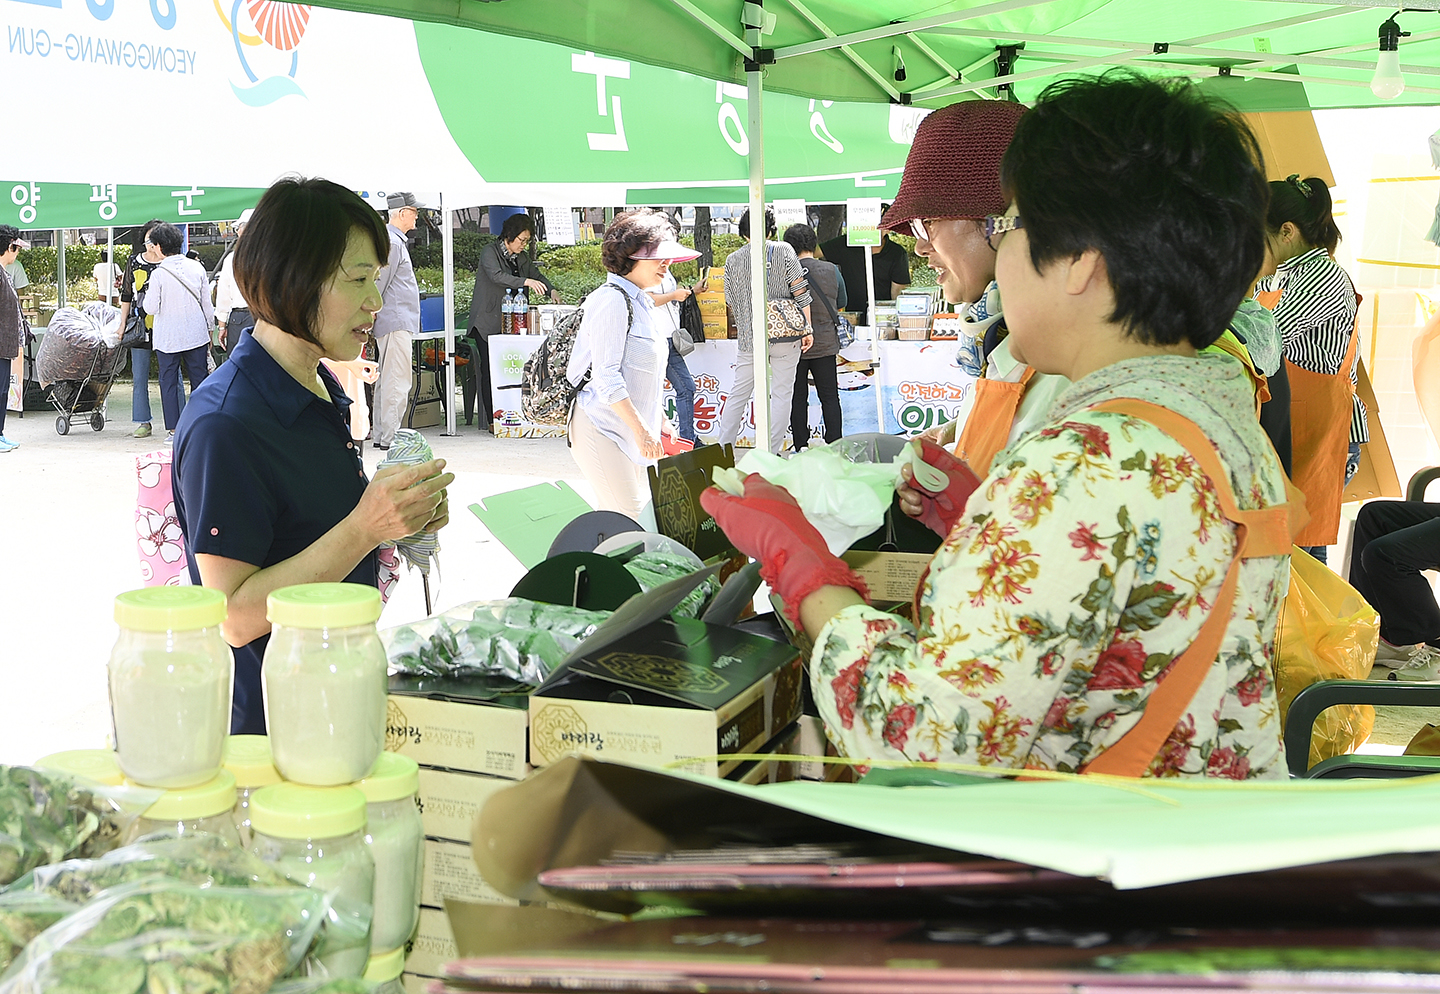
point(546, 393)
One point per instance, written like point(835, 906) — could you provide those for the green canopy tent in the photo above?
point(1261, 55)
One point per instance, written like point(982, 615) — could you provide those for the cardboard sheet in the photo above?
point(526, 521)
point(1134, 834)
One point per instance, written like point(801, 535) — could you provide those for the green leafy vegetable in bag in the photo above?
point(164, 936)
point(46, 817)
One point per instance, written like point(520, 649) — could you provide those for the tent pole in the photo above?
point(870, 286)
point(447, 255)
point(59, 267)
point(108, 292)
point(759, 340)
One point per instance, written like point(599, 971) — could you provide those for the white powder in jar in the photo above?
point(326, 721)
point(171, 712)
point(397, 841)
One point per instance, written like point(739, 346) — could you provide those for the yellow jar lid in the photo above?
point(169, 609)
point(392, 777)
point(295, 811)
point(213, 797)
point(385, 966)
point(323, 605)
point(99, 765)
point(249, 758)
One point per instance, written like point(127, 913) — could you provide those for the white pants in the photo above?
point(784, 357)
point(620, 484)
point(392, 389)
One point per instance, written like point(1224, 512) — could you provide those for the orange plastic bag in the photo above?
point(1327, 632)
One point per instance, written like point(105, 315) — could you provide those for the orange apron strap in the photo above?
point(1268, 299)
point(1264, 532)
point(1258, 380)
point(1321, 406)
point(992, 416)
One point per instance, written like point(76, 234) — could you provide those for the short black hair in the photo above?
point(801, 237)
point(294, 245)
point(514, 224)
point(1305, 204)
point(138, 235)
point(168, 238)
point(629, 233)
point(8, 234)
point(1166, 182)
point(744, 226)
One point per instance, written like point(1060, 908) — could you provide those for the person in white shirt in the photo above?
point(177, 296)
point(231, 313)
point(106, 276)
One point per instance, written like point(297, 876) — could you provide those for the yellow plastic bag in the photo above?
point(1327, 632)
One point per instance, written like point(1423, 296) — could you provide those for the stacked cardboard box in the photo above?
point(470, 742)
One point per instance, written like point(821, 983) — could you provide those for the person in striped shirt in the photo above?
point(1315, 313)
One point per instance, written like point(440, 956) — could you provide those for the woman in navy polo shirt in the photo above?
point(269, 487)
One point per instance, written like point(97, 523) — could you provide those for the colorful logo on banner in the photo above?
point(279, 29)
point(921, 406)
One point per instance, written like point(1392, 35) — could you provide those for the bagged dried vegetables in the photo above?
point(516, 638)
point(202, 860)
point(46, 817)
point(161, 936)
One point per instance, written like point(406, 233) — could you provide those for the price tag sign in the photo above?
point(559, 226)
point(862, 221)
point(788, 212)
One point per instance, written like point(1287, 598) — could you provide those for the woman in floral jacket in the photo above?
point(1088, 561)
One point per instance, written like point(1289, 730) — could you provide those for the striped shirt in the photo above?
point(1316, 317)
point(784, 280)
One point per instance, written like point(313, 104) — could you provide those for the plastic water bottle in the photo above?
point(507, 314)
point(522, 313)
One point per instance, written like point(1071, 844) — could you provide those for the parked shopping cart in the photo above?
point(76, 367)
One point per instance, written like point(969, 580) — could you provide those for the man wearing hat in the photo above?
point(232, 316)
point(12, 323)
point(950, 186)
point(397, 322)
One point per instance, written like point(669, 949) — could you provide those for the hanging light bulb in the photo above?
point(1388, 83)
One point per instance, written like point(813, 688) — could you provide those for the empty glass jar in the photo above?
point(205, 807)
point(316, 837)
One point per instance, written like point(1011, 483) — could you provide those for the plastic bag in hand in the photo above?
point(844, 499)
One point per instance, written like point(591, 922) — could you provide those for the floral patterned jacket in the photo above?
point(1083, 566)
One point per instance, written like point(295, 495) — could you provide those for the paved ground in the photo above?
point(70, 533)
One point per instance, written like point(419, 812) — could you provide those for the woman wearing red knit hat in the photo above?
point(951, 184)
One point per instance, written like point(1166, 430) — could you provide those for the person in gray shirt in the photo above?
point(397, 322)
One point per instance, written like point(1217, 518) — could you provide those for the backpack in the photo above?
point(546, 393)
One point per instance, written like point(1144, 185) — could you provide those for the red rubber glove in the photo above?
point(938, 510)
point(767, 525)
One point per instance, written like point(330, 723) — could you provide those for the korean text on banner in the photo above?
point(788, 212)
point(862, 221)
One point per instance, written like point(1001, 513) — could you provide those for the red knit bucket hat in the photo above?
point(953, 169)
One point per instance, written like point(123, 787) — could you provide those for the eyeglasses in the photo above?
point(920, 228)
point(998, 224)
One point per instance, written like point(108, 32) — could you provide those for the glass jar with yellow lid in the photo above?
point(248, 758)
point(205, 807)
point(170, 685)
point(385, 969)
point(316, 837)
point(397, 842)
point(325, 682)
point(98, 765)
